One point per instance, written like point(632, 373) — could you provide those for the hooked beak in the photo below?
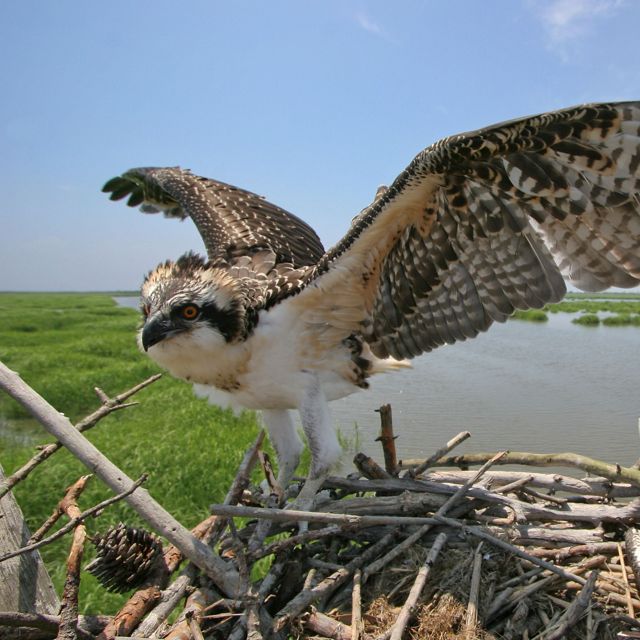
point(155, 330)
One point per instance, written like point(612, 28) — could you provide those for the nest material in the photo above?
point(125, 557)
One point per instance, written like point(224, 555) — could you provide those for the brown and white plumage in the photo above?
point(477, 225)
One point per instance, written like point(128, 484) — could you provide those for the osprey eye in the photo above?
point(190, 312)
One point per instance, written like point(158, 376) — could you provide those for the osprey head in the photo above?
point(189, 304)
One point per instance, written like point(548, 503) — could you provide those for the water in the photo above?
point(522, 386)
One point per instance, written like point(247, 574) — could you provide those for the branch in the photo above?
point(614, 472)
point(68, 629)
point(422, 465)
point(74, 521)
point(146, 507)
point(109, 405)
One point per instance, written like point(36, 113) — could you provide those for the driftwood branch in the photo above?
point(613, 472)
point(146, 507)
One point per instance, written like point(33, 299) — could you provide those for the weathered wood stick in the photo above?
point(327, 627)
point(167, 601)
point(388, 440)
point(68, 629)
point(140, 500)
point(136, 607)
point(378, 564)
point(409, 607)
point(418, 467)
point(369, 468)
point(614, 472)
point(300, 538)
point(632, 547)
point(356, 605)
point(90, 625)
point(549, 481)
point(109, 405)
point(576, 609)
point(594, 513)
point(471, 621)
point(483, 535)
point(74, 521)
point(590, 549)
point(625, 579)
point(307, 597)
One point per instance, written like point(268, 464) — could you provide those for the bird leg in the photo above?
point(322, 439)
point(285, 440)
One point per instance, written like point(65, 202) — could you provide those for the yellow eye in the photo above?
point(190, 312)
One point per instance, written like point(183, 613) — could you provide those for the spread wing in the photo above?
point(233, 223)
point(483, 223)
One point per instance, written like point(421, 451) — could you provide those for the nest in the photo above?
point(423, 549)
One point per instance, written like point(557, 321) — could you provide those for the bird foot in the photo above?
point(306, 499)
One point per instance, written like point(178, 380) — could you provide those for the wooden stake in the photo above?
point(388, 440)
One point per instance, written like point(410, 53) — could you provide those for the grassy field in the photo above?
point(65, 344)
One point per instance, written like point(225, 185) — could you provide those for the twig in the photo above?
point(74, 521)
point(87, 625)
point(68, 629)
point(479, 533)
point(146, 507)
point(409, 606)
point(136, 607)
point(307, 536)
point(627, 588)
point(388, 440)
point(576, 609)
point(296, 606)
point(377, 565)
point(109, 405)
point(327, 627)
point(356, 605)
point(471, 621)
point(240, 482)
point(422, 466)
point(632, 547)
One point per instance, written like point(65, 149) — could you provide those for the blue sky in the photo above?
point(311, 104)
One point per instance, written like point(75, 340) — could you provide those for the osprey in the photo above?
point(478, 225)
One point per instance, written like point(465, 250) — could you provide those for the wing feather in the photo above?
point(487, 222)
point(232, 222)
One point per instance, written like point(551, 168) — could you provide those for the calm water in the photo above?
point(522, 386)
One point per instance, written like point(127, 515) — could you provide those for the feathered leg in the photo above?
point(284, 437)
point(322, 439)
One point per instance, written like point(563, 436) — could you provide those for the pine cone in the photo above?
point(125, 557)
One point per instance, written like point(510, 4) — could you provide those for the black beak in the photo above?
point(155, 330)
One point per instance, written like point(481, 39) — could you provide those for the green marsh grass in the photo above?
point(63, 345)
point(587, 320)
point(531, 315)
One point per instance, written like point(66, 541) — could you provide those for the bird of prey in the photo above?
point(478, 225)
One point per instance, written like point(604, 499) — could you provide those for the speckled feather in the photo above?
point(478, 225)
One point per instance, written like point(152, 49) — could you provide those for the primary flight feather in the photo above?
point(478, 225)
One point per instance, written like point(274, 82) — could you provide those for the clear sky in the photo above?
point(312, 104)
